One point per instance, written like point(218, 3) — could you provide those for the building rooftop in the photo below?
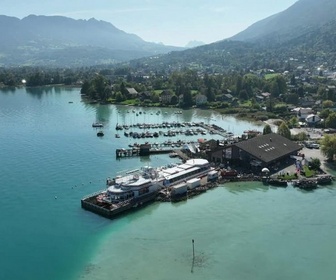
point(269, 147)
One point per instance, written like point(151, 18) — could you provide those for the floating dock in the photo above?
point(143, 150)
point(93, 204)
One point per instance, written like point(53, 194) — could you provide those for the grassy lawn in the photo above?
point(308, 172)
point(271, 76)
point(246, 104)
point(129, 102)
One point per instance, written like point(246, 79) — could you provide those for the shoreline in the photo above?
point(93, 204)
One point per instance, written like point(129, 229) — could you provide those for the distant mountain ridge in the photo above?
point(43, 39)
point(303, 16)
point(194, 43)
point(307, 29)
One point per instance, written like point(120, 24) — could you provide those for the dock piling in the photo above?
point(193, 260)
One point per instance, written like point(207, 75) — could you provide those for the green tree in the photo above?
point(293, 122)
point(331, 120)
point(322, 93)
point(280, 108)
point(187, 98)
point(85, 87)
point(327, 104)
point(328, 146)
point(267, 129)
point(293, 80)
point(301, 136)
point(282, 85)
point(123, 89)
point(99, 83)
point(292, 98)
point(210, 94)
point(243, 95)
point(239, 84)
point(275, 91)
point(315, 164)
point(119, 97)
point(269, 104)
point(300, 91)
point(325, 113)
point(284, 131)
point(174, 100)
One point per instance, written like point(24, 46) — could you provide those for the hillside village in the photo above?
point(258, 94)
point(293, 90)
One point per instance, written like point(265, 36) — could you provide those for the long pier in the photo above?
point(121, 153)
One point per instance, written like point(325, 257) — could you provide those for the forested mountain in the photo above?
point(305, 31)
point(304, 16)
point(62, 41)
point(316, 46)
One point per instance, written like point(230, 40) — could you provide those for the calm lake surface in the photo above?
point(51, 158)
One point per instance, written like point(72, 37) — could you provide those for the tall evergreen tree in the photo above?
point(331, 120)
point(267, 129)
point(284, 131)
point(328, 146)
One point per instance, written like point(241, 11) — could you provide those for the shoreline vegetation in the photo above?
point(252, 95)
point(255, 95)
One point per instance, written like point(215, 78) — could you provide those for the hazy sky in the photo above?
point(172, 22)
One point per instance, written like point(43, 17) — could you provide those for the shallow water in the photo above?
point(51, 157)
point(244, 231)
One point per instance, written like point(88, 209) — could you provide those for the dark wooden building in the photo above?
point(268, 150)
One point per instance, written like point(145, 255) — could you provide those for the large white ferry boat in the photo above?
point(140, 186)
point(137, 183)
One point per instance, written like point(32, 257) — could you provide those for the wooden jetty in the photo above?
point(142, 150)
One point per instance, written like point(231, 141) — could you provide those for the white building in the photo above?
point(303, 113)
point(312, 119)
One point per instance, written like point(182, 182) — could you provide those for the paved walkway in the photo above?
point(309, 153)
point(315, 153)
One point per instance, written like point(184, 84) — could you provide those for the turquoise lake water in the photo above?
point(51, 158)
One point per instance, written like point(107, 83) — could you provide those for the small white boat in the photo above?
point(97, 125)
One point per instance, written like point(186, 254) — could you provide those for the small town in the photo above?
point(160, 140)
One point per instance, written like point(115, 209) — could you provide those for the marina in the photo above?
point(195, 132)
point(171, 129)
point(131, 193)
